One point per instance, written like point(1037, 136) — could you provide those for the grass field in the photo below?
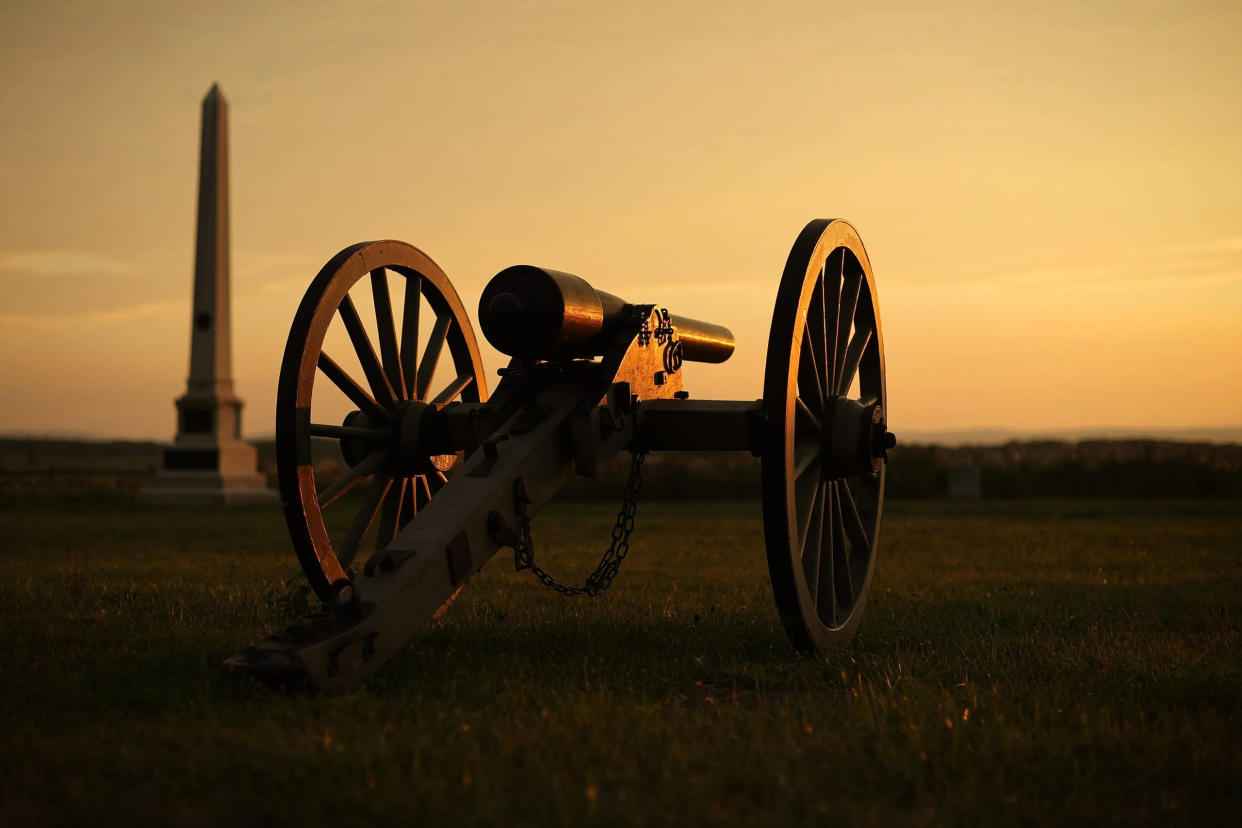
point(1019, 662)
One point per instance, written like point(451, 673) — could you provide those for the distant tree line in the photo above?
point(1090, 468)
point(57, 469)
point(1093, 468)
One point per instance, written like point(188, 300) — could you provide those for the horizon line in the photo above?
point(968, 435)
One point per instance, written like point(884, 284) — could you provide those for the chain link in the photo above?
point(609, 564)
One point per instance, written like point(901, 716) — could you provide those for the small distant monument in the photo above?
point(208, 463)
point(964, 482)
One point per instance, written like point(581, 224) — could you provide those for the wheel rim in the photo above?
point(385, 386)
point(824, 436)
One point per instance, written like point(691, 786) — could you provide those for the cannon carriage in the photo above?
point(449, 474)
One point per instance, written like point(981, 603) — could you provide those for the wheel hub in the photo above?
point(355, 449)
point(417, 429)
point(409, 444)
point(858, 439)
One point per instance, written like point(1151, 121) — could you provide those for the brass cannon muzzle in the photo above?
point(530, 311)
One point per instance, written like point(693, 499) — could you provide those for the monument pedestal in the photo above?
point(176, 486)
point(208, 464)
point(221, 475)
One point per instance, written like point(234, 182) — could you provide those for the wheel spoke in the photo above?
point(452, 391)
point(822, 591)
point(377, 435)
point(818, 336)
point(814, 515)
point(853, 355)
point(805, 460)
point(409, 332)
point(810, 387)
point(409, 508)
point(427, 368)
point(865, 492)
point(422, 493)
point(347, 481)
point(853, 522)
point(807, 416)
point(390, 515)
point(362, 521)
point(380, 386)
point(813, 540)
point(357, 395)
point(850, 282)
point(840, 558)
point(809, 492)
point(833, 266)
point(387, 331)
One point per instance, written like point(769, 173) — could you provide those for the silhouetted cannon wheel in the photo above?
point(389, 389)
point(824, 437)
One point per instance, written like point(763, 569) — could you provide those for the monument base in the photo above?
point(208, 475)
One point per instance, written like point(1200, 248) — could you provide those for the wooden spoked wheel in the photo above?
point(825, 436)
point(384, 394)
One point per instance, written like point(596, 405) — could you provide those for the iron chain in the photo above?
point(610, 563)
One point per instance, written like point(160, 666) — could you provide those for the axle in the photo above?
point(857, 438)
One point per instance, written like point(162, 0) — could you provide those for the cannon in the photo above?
point(440, 476)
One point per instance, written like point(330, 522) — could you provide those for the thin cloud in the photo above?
point(61, 263)
point(256, 271)
point(52, 320)
point(1211, 247)
point(1206, 264)
point(722, 286)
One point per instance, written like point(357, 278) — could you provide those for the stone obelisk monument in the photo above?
point(208, 463)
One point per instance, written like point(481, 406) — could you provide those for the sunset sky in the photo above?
point(1051, 193)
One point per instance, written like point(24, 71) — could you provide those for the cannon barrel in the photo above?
point(530, 311)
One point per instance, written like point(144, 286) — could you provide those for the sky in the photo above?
point(1050, 194)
